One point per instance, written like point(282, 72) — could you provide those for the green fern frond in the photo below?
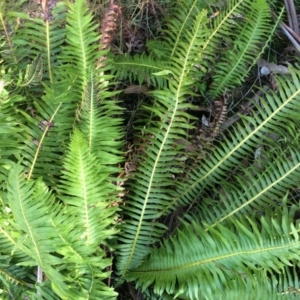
point(252, 30)
point(87, 193)
point(150, 193)
point(48, 126)
point(276, 117)
point(84, 268)
point(45, 233)
point(288, 281)
point(7, 47)
point(32, 116)
point(28, 42)
point(255, 190)
point(30, 204)
point(43, 291)
point(34, 72)
point(139, 68)
point(11, 134)
point(261, 287)
point(159, 50)
point(81, 51)
point(11, 275)
point(182, 19)
point(142, 67)
point(88, 197)
point(204, 264)
point(49, 120)
point(28, 35)
point(14, 279)
point(99, 120)
point(55, 37)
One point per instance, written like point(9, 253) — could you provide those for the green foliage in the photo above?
point(245, 47)
point(69, 230)
point(228, 258)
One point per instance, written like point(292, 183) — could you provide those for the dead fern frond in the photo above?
point(108, 28)
point(210, 128)
point(220, 112)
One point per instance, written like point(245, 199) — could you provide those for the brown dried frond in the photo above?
point(47, 7)
point(208, 133)
point(220, 113)
point(109, 25)
point(108, 28)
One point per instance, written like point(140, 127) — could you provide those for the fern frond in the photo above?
point(32, 114)
point(182, 19)
point(14, 278)
point(11, 135)
point(29, 205)
point(158, 49)
point(150, 187)
point(46, 41)
point(81, 51)
point(48, 126)
point(139, 68)
point(246, 44)
point(6, 47)
point(205, 264)
point(256, 190)
point(88, 197)
point(276, 117)
point(288, 282)
point(99, 120)
point(34, 72)
point(87, 193)
point(49, 120)
point(261, 287)
point(86, 267)
point(32, 207)
point(12, 275)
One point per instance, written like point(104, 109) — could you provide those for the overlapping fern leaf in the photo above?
point(60, 150)
point(139, 68)
point(49, 121)
point(150, 188)
point(27, 233)
point(182, 18)
point(191, 37)
point(43, 236)
point(254, 189)
point(38, 120)
point(220, 260)
point(26, 42)
point(143, 68)
point(276, 116)
point(80, 53)
point(97, 115)
point(249, 24)
point(88, 200)
point(11, 133)
point(42, 109)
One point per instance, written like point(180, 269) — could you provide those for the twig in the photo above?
point(39, 277)
point(292, 32)
point(292, 16)
point(290, 37)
